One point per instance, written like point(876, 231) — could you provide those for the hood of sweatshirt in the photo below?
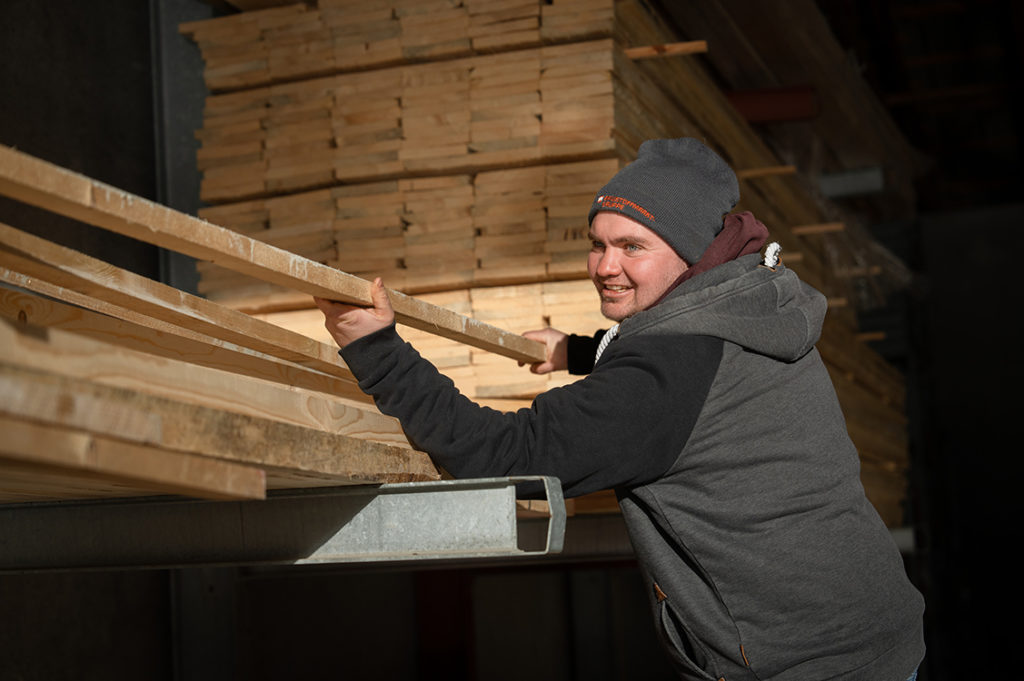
point(769, 311)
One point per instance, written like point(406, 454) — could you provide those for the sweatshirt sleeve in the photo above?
point(621, 426)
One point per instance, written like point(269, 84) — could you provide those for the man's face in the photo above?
point(630, 265)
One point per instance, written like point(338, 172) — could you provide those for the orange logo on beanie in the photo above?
point(618, 203)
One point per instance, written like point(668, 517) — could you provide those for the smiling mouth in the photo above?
point(613, 292)
point(615, 288)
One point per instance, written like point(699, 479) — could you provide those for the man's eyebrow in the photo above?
point(629, 238)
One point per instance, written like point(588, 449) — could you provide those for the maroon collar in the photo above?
point(742, 234)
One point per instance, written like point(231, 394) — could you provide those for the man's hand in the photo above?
point(347, 323)
point(557, 352)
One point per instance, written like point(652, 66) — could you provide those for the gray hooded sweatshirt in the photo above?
point(714, 419)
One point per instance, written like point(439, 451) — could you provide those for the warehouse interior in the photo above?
point(115, 91)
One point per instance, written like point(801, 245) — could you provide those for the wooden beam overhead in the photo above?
point(766, 171)
point(820, 228)
point(667, 50)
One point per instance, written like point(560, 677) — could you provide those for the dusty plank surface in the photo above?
point(122, 328)
point(54, 337)
point(63, 267)
point(119, 421)
point(47, 451)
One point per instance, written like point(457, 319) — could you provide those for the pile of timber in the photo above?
point(459, 167)
point(116, 385)
point(458, 118)
point(423, 234)
point(476, 113)
point(453, 148)
point(299, 41)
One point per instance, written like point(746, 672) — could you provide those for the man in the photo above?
point(710, 413)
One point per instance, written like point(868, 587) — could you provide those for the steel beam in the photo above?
point(448, 519)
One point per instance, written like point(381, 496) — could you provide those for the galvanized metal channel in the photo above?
point(449, 519)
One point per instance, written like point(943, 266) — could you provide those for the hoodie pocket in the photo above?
point(685, 650)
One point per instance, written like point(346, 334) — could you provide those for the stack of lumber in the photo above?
point(454, 147)
point(547, 105)
point(483, 112)
point(299, 41)
point(426, 233)
point(114, 384)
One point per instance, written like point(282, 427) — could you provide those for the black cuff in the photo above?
point(365, 354)
point(581, 351)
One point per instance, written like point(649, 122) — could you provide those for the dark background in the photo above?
point(105, 89)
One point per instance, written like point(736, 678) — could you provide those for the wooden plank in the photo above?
point(125, 290)
point(766, 171)
point(104, 412)
point(49, 336)
point(667, 49)
point(34, 181)
point(819, 228)
point(45, 449)
point(150, 337)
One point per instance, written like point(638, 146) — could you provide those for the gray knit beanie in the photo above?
point(678, 188)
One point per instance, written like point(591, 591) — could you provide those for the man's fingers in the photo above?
point(322, 303)
point(327, 306)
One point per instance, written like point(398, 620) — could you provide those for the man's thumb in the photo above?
point(379, 296)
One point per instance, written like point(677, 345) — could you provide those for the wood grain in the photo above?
point(48, 449)
point(109, 413)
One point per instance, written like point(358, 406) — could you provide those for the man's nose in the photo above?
point(609, 264)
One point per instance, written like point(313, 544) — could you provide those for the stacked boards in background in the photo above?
point(453, 148)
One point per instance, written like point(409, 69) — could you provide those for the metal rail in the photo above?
point(448, 519)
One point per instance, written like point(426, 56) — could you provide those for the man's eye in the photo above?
point(596, 245)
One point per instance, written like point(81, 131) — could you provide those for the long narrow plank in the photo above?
point(118, 326)
point(96, 279)
point(49, 336)
point(140, 419)
point(51, 187)
point(50, 447)
point(667, 49)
